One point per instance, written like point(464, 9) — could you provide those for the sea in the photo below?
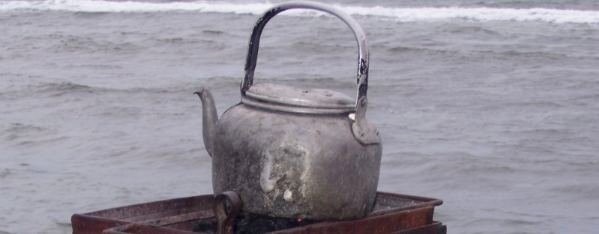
point(490, 105)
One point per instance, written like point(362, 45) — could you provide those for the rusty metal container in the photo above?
point(393, 213)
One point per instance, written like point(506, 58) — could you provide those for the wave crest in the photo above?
point(408, 14)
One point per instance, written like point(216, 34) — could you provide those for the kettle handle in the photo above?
point(252, 55)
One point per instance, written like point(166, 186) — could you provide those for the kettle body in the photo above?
point(296, 153)
point(289, 165)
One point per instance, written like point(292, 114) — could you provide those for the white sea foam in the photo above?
point(404, 14)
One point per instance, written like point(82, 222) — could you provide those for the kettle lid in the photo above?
point(299, 100)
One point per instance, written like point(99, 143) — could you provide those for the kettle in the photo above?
point(291, 152)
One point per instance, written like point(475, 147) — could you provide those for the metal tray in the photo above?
point(393, 213)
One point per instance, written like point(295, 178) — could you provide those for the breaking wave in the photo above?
point(407, 14)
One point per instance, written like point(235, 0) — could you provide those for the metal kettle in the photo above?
point(296, 153)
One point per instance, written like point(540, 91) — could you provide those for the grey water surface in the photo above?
point(498, 118)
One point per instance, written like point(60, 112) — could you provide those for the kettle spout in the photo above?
point(209, 119)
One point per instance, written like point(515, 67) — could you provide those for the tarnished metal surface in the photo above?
point(144, 229)
point(386, 223)
point(282, 95)
point(393, 213)
point(292, 156)
point(360, 36)
point(294, 166)
point(158, 213)
point(434, 228)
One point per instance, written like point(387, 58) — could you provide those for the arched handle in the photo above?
point(252, 56)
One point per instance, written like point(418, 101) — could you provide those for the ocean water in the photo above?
point(492, 106)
